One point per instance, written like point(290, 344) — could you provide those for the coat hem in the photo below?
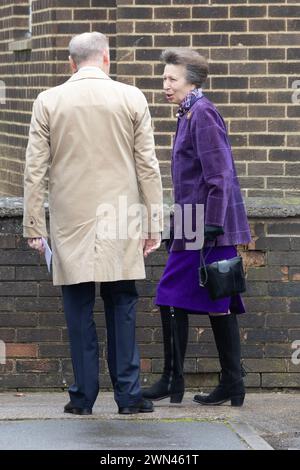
point(124, 277)
point(199, 312)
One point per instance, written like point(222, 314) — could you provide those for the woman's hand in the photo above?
point(37, 244)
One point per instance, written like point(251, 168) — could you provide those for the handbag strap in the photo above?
point(202, 261)
point(203, 264)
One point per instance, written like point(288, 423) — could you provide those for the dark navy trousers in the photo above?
point(120, 298)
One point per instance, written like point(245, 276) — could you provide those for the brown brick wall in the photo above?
point(32, 323)
point(28, 72)
point(253, 48)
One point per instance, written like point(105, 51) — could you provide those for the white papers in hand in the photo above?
point(48, 254)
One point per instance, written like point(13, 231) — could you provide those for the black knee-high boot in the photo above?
point(175, 336)
point(231, 386)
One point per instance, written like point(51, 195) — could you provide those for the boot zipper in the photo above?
point(172, 351)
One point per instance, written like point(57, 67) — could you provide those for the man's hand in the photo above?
point(37, 244)
point(151, 244)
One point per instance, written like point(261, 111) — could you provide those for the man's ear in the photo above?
point(106, 59)
point(73, 66)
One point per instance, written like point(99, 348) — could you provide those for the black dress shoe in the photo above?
point(143, 406)
point(69, 408)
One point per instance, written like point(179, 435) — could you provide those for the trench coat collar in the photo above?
point(89, 73)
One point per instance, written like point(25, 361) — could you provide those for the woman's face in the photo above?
point(175, 85)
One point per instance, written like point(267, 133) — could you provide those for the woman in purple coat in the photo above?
point(203, 172)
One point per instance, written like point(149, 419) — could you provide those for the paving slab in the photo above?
point(272, 418)
point(117, 434)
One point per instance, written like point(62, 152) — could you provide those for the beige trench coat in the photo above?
point(94, 135)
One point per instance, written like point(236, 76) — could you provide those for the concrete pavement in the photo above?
point(35, 420)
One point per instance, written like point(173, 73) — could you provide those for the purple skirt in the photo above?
point(179, 285)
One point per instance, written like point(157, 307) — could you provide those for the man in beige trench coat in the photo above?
point(94, 136)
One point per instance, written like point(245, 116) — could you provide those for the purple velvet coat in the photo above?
point(203, 172)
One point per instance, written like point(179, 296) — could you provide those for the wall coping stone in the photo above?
point(256, 207)
point(23, 44)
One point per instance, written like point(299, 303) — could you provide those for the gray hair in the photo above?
point(196, 65)
point(87, 46)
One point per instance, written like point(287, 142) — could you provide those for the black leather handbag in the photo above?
point(222, 278)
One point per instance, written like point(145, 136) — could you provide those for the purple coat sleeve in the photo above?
point(212, 147)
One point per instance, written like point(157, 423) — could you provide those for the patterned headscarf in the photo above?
point(188, 101)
